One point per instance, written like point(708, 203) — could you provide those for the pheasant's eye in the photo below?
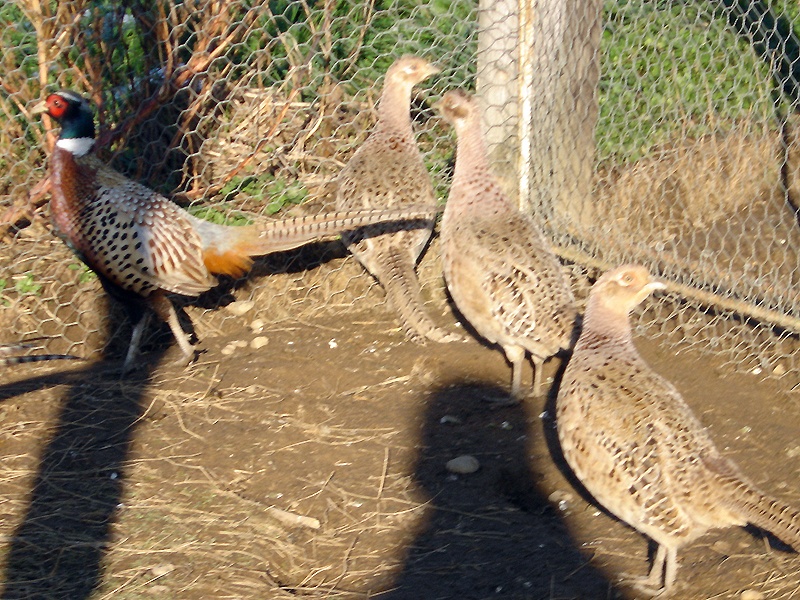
point(627, 279)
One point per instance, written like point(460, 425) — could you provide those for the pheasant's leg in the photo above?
point(654, 584)
point(538, 363)
point(166, 310)
point(671, 569)
point(136, 341)
point(516, 356)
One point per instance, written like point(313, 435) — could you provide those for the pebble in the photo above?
point(240, 307)
point(463, 465)
point(562, 499)
point(722, 547)
point(257, 325)
point(159, 591)
point(161, 570)
point(752, 595)
point(450, 420)
point(231, 347)
point(259, 342)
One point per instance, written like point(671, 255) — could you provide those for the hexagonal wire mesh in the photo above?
point(245, 109)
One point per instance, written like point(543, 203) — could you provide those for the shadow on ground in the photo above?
point(492, 533)
point(57, 551)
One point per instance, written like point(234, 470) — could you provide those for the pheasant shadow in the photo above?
point(491, 533)
point(40, 382)
point(57, 550)
point(157, 335)
point(298, 260)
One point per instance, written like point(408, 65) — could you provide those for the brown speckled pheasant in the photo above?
point(498, 265)
point(7, 349)
point(387, 171)
point(635, 444)
point(143, 246)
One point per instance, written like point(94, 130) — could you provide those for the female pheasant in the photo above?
point(143, 246)
point(637, 447)
point(387, 171)
point(497, 264)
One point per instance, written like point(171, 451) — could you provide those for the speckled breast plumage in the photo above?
point(132, 236)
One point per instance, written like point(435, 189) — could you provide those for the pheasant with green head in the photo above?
point(143, 246)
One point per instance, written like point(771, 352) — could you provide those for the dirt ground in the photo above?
point(315, 467)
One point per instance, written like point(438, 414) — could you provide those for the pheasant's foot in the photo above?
point(645, 585)
point(186, 358)
point(538, 363)
point(443, 336)
point(660, 580)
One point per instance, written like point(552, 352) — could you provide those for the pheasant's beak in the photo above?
point(39, 108)
point(653, 286)
point(432, 70)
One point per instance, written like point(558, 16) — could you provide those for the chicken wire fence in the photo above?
point(656, 131)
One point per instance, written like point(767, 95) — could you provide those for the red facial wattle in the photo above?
point(56, 106)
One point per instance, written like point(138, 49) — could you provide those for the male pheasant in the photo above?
point(387, 171)
point(632, 440)
point(143, 246)
point(497, 264)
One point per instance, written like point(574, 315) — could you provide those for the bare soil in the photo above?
point(315, 467)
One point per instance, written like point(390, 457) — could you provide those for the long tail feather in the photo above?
point(403, 292)
point(227, 249)
point(31, 358)
point(286, 234)
point(765, 512)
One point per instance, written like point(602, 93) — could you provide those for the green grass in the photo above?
point(26, 285)
point(21, 286)
point(221, 214)
point(667, 68)
point(281, 195)
point(86, 274)
point(264, 190)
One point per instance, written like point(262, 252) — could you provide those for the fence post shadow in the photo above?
point(57, 550)
point(491, 533)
